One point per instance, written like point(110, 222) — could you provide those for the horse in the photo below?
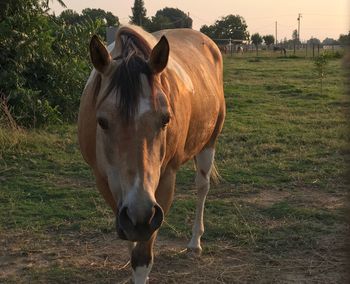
point(152, 103)
point(223, 48)
point(240, 49)
point(282, 49)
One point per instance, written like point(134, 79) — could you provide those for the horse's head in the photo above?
point(132, 114)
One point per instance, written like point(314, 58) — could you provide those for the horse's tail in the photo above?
point(215, 175)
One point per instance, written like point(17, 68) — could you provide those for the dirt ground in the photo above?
point(102, 258)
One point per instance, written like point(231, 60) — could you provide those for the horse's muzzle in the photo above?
point(141, 231)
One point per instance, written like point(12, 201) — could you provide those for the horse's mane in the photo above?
point(126, 79)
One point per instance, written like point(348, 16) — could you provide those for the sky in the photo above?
point(319, 18)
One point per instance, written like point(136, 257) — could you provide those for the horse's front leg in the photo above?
point(142, 253)
point(142, 260)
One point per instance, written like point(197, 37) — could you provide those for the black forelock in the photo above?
point(126, 79)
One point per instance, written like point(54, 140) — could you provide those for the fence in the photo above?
point(234, 47)
point(237, 47)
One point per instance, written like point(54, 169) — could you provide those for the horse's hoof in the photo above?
point(195, 252)
point(133, 282)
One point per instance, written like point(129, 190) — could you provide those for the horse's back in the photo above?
point(200, 105)
point(187, 45)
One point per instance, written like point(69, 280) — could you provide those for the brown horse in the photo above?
point(152, 102)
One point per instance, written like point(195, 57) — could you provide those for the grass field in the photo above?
point(277, 217)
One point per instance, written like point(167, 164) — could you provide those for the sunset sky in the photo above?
point(320, 18)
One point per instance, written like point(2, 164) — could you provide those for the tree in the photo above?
point(88, 16)
point(329, 41)
point(208, 30)
point(178, 18)
point(158, 23)
point(320, 63)
point(44, 63)
point(46, 4)
point(256, 40)
point(344, 40)
point(231, 26)
point(139, 14)
point(295, 37)
point(313, 41)
point(269, 39)
point(10, 8)
point(170, 18)
point(70, 17)
point(99, 14)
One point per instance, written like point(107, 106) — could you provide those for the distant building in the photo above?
point(110, 34)
point(332, 46)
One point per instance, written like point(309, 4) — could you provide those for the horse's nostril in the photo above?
point(124, 219)
point(142, 230)
point(157, 218)
point(123, 213)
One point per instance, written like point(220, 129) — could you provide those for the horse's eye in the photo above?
point(165, 119)
point(103, 123)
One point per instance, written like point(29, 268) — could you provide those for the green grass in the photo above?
point(279, 126)
point(46, 185)
point(282, 155)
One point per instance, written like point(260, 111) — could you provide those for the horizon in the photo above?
point(320, 19)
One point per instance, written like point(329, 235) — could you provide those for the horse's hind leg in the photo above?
point(204, 163)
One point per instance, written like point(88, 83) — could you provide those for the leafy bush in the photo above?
point(320, 63)
point(43, 63)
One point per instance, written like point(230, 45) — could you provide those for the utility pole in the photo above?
point(276, 32)
point(299, 18)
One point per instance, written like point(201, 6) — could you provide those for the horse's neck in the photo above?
point(131, 30)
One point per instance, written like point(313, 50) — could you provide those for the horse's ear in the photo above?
point(99, 54)
point(159, 56)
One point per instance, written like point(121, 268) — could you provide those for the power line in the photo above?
point(327, 15)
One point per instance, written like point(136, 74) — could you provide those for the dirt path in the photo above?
point(104, 259)
point(73, 257)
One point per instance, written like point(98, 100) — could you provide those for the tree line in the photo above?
point(166, 18)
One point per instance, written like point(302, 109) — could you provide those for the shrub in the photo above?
point(320, 63)
point(43, 64)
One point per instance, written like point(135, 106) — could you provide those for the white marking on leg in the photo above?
point(140, 274)
point(204, 162)
point(131, 246)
